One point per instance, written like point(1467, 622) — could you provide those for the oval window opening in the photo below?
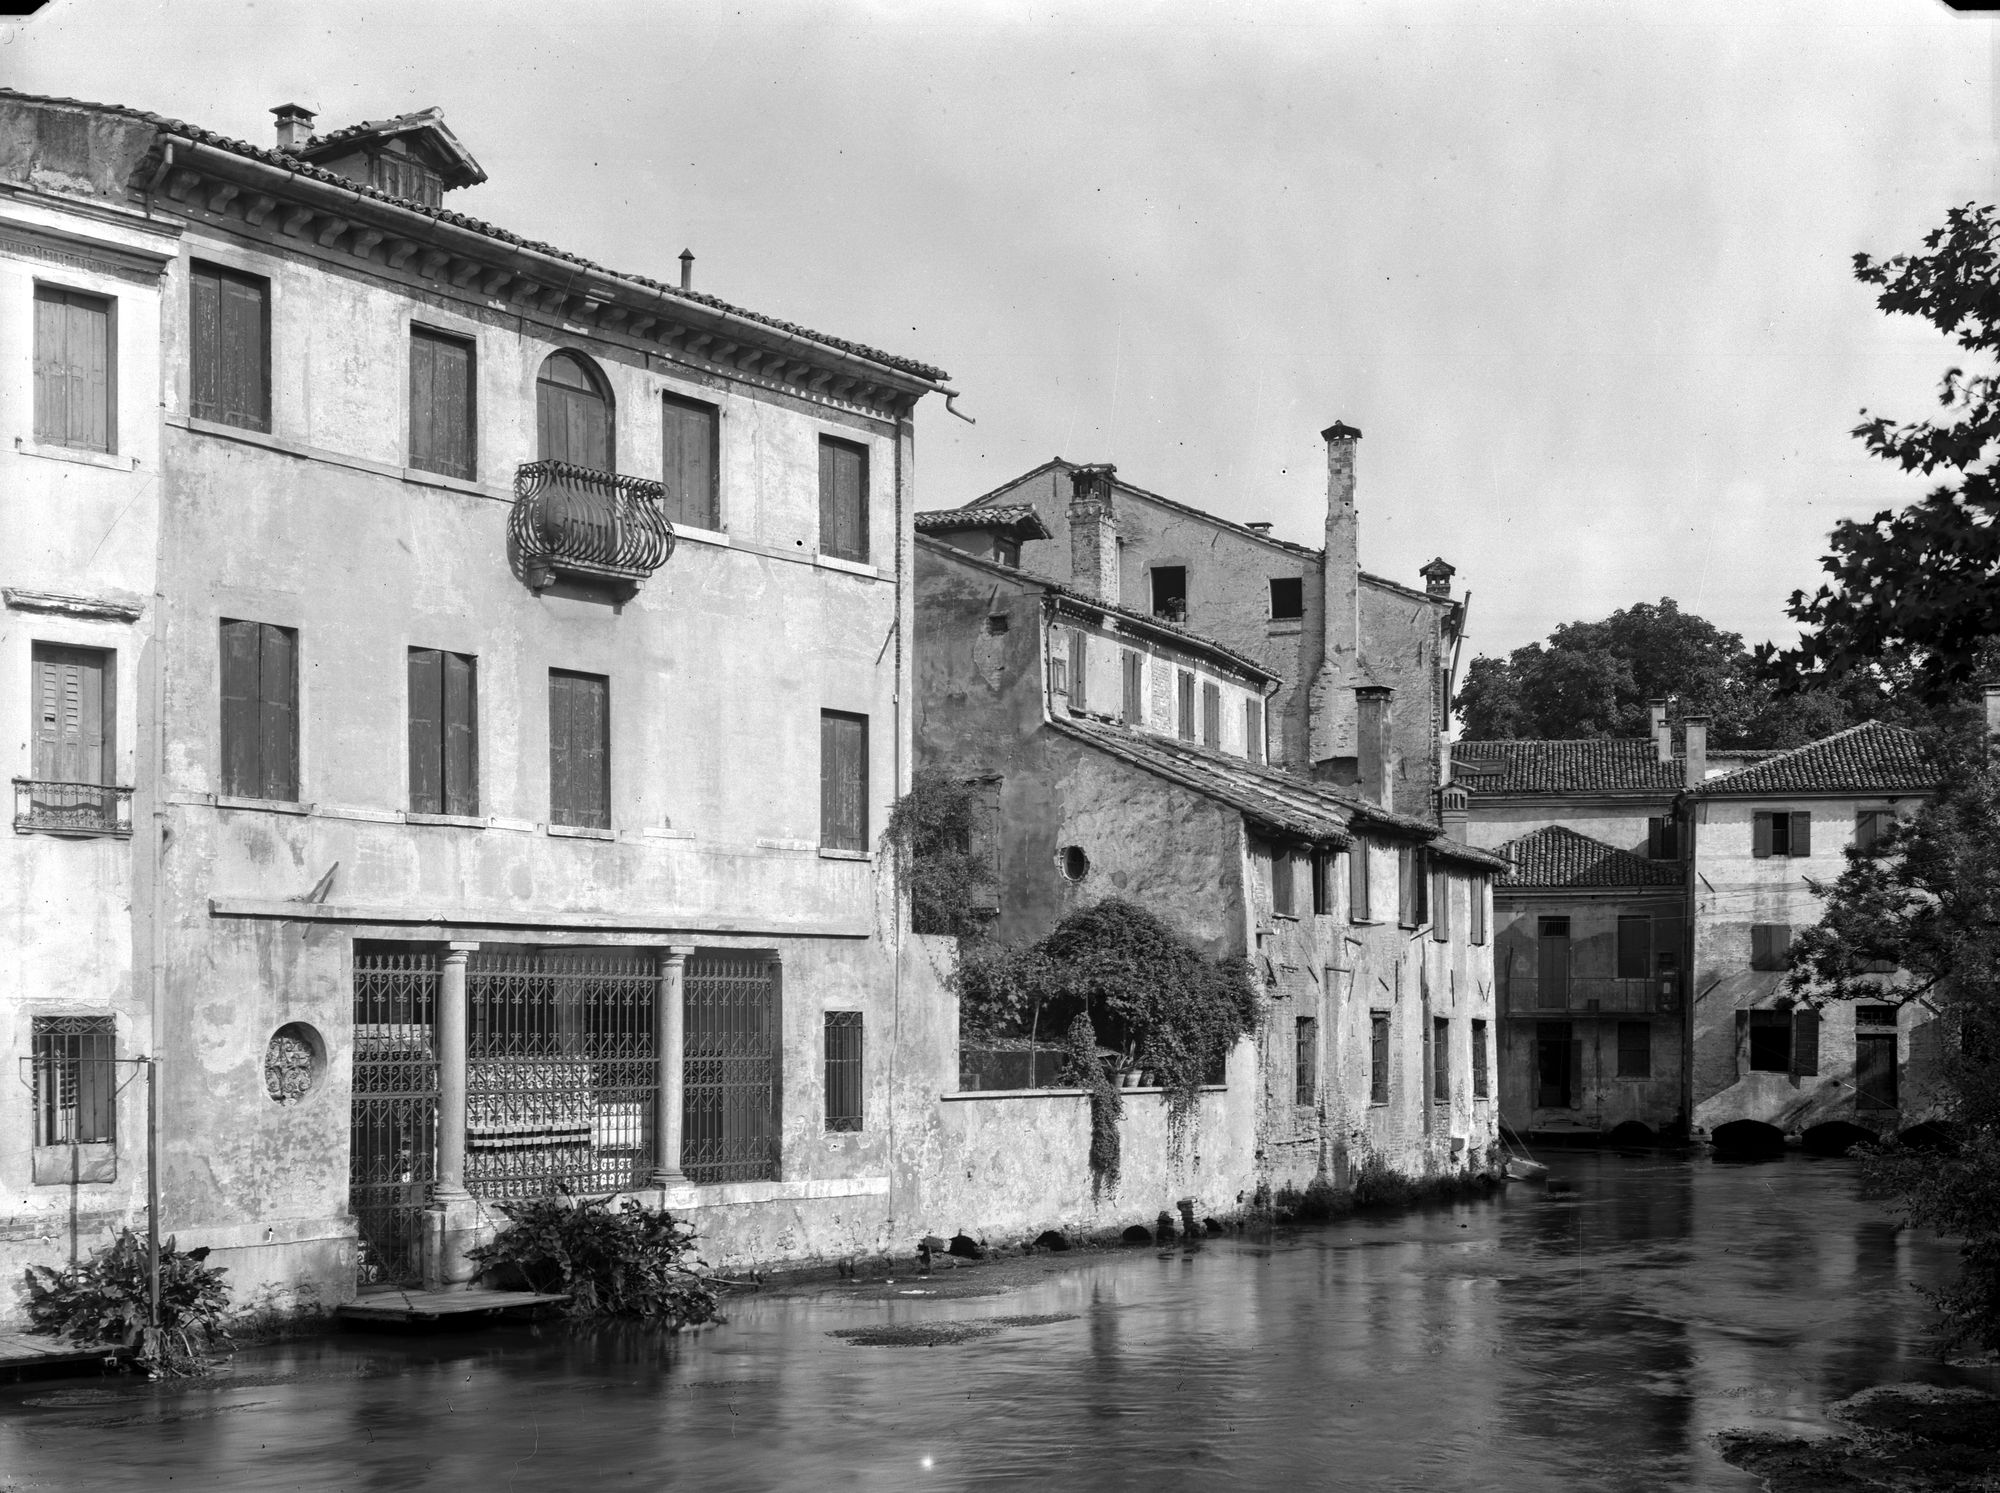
point(293, 1062)
point(1075, 864)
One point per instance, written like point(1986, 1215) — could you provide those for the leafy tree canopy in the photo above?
point(1593, 679)
point(1921, 586)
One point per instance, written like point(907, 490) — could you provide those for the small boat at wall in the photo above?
point(1520, 1169)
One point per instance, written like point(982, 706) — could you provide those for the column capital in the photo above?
point(678, 953)
point(458, 950)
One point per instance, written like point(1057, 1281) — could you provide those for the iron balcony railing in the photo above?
point(1583, 995)
point(71, 808)
point(586, 525)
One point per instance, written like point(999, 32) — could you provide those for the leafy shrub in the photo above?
point(107, 1298)
point(633, 1261)
point(930, 831)
point(1376, 1185)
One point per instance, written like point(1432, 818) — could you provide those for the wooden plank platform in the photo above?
point(428, 1306)
point(30, 1352)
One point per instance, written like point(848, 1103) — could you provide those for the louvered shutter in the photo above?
point(51, 368)
point(426, 731)
point(1802, 833)
point(240, 730)
point(90, 373)
point(205, 343)
point(1760, 945)
point(1134, 703)
point(72, 716)
point(277, 712)
point(1357, 883)
point(1760, 836)
point(1253, 730)
point(1211, 715)
point(1805, 1042)
point(689, 463)
point(461, 735)
point(1441, 905)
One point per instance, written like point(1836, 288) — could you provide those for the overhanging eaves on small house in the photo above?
point(1016, 521)
point(1557, 858)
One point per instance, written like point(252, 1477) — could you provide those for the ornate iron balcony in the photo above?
point(1586, 995)
point(586, 525)
point(71, 808)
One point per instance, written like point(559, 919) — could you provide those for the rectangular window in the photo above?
point(1552, 964)
point(1211, 716)
point(843, 780)
point(1635, 1049)
point(1288, 598)
point(1253, 730)
point(1875, 1070)
point(1441, 1059)
point(1186, 701)
point(579, 749)
point(1281, 882)
point(1378, 1057)
point(1079, 672)
point(1134, 702)
point(1476, 900)
point(444, 732)
point(1883, 1016)
point(843, 500)
point(1440, 909)
point(1058, 662)
point(1322, 875)
point(1769, 945)
point(1870, 825)
point(76, 369)
point(1770, 1041)
point(691, 462)
point(1482, 1083)
point(75, 1080)
point(843, 1070)
point(1780, 834)
point(1170, 592)
point(1663, 838)
point(1357, 883)
point(1305, 1063)
point(443, 425)
point(1635, 946)
point(229, 376)
point(260, 735)
point(75, 718)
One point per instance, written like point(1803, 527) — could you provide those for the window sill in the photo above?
point(667, 832)
point(702, 536)
point(828, 853)
point(444, 480)
point(580, 832)
point(462, 821)
point(1285, 917)
point(852, 567)
point(1286, 627)
point(242, 433)
point(263, 805)
point(110, 461)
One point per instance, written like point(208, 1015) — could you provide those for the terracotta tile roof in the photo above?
point(466, 171)
point(1020, 519)
point(1869, 758)
point(1265, 795)
point(1560, 857)
point(292, 163)
point(1612, 764)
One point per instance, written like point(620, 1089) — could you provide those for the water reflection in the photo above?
point(1588, 1339)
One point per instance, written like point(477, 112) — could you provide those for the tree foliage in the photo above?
point(1920, 586)
point(1926, 899)
point(108, 1299)
point(1594, 679)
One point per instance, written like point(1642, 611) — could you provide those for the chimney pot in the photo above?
point(295, 122)
point(1437, 576)
point(1455, 810)
point(1695, 729)
point(1340, 430)
point(687, 269)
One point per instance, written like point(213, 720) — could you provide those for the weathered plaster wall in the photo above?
point(1735, 890)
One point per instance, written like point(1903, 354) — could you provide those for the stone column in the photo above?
point(450, 1039)
point(669, 1038)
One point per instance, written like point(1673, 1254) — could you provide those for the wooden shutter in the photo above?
point(579, 749)
point(73, 734)
point(843, 768)
point(245, 352)
point(1079, 653)
point(426, 731)
point(1186, 681)
point(277, 712)
point(1211, 715)
point(51, 367)
point(843, 500)
point(1760, 836)
point(461, 734)
point(73, 369)
point(1253, 730)
point(1406, 887)
point(1357, 882)
point(692, 435)
point(1635, 947)
point(1802, 833)
point(441, 404)
point(1135, 704)
point(1476, 893)
point(1440, 907)
point(205, 343)
point(1805, 1042)
point(1760, 945)
point(1655, 838)
point(1282, 897)
point(241, 774)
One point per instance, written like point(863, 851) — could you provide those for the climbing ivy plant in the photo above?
point(930, 837)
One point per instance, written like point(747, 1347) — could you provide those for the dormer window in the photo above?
point(413, 156)
point(400, 175)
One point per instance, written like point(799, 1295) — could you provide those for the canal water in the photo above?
point(1543, 1338)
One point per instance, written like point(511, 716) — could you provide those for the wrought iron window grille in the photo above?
point(51, 808)
point(579, 524)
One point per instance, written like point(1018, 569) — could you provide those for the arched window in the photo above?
point(573, 410)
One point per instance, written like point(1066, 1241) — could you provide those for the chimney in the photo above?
point(1093, 536)
point(295, 126)
point(1695, 728)
point(1455, 809)
point(1659, 730)
point(1373, 704)
point(687, 269)
point(1331, 707)
point(1437, 576)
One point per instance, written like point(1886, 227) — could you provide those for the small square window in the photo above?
point(1288, 598)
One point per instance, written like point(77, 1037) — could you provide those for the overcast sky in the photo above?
point(1580, 273)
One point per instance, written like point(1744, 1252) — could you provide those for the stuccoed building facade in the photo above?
point(1123, 755)
point(461, 687)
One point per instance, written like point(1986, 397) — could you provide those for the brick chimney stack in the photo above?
point(1455, 811)
point(295, 126)
point(1093, 533)
point(1437, 576)
point(1695, 728)
point(1331, 706)
point(1659, 730)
